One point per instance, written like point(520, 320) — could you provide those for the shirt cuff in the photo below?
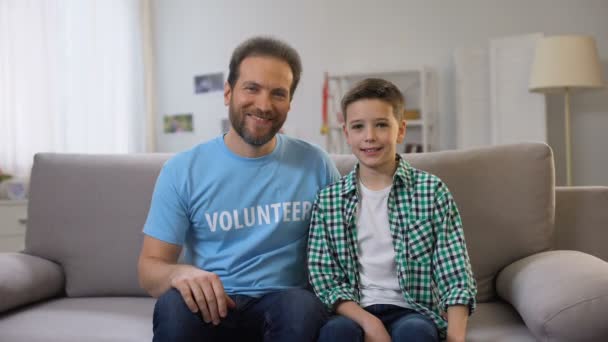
point(459, 296)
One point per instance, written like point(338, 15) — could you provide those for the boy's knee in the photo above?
point(417, 328)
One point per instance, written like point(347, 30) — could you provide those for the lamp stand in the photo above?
point(567, 137)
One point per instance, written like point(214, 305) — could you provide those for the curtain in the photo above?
point(71, 79)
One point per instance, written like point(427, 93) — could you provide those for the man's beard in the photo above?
point(238, 124)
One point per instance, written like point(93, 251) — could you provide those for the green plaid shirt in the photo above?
point(432, 262)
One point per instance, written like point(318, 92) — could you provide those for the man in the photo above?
point(240, 206)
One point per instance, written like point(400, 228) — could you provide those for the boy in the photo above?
point(386, 249)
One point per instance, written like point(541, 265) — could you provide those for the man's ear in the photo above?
point(227, 93)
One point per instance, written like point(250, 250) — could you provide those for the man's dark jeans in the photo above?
point(291, 315)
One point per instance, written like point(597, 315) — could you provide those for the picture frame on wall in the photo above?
point(208, 83)
point(177, 123)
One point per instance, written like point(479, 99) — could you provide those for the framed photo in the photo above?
point(178, 123)
point(208, 83)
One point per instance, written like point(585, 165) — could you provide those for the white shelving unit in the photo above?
point(13, 220)
point(419, 87)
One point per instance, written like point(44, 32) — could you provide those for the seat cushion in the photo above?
point(497, 322)
point(125, 319)
point(129, 319)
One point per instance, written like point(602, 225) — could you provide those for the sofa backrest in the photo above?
point(86, 212)
point(505, 195)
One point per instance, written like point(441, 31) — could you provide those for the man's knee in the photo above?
point(298, 311)
point(301, 303)
point(172, 320)
point(340, 328)
point(170, 304)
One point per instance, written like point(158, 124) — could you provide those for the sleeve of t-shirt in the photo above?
point(168, 216)
point(331, 172)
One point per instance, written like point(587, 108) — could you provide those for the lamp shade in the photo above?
point(565, 62)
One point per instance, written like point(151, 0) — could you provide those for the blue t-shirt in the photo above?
point(245, 219)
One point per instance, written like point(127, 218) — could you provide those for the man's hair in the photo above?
point(267, 47)
point(376, 88)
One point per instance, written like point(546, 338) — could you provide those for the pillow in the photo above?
point(561, 295)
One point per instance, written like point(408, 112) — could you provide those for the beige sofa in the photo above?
point(76, 279)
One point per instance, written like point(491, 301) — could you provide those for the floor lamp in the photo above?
point(563, 64)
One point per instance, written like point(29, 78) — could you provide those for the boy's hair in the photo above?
point(267, 47)
point(375, 88)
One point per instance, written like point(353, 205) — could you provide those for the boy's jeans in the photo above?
point(291, 315)
point(401, 323)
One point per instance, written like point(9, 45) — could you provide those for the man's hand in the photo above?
point(202, 291)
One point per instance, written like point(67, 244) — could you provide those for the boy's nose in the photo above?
point(370, 134)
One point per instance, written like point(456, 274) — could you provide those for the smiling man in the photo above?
point(239, 207)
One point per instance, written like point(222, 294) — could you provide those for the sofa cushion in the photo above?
point(81, 319)
point(86, 213)
point(497, 322)
point(561, 295)
point(505, 195)
point(27, 279)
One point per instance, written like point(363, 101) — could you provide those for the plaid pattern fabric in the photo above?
point(433, 266)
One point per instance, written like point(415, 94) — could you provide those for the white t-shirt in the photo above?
point(377, 267)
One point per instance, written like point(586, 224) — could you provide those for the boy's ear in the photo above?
point(227, 93)
point(401, 132)
point(345, 130)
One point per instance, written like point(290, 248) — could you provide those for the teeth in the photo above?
point(259, 118)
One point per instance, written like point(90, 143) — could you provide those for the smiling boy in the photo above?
point(386, 248)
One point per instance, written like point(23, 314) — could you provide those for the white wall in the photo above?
point(196, 37)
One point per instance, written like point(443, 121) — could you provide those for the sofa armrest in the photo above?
point(561, 295)
point(26, 279)
point(581, 219)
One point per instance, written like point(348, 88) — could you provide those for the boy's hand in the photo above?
point(457, 317)
point(375, 331)
point(372, 326)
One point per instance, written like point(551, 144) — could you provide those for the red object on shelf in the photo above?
point(324, 109)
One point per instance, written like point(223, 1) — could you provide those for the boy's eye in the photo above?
point(356, 126)
point(382, 124)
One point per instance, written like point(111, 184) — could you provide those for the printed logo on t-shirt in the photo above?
point(259, 215)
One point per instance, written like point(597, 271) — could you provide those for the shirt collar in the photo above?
point(402, 177)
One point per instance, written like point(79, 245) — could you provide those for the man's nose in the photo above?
point(264, 102)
